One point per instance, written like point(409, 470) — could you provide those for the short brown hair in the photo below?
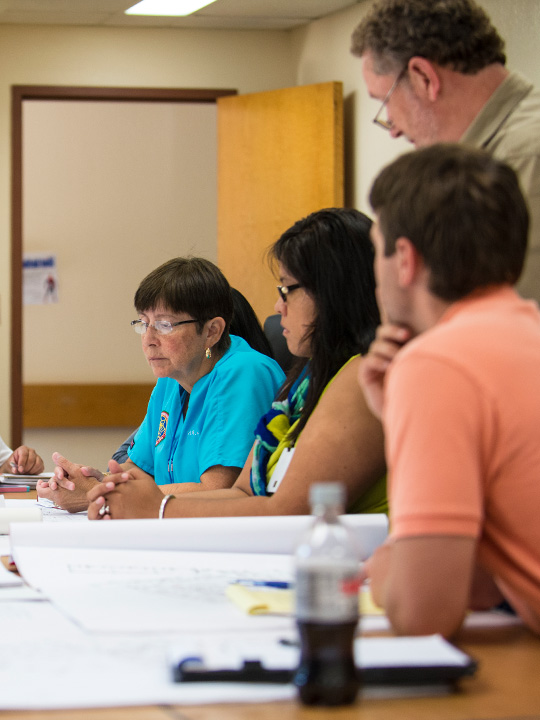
point(452, 33)
point(463, 211)
point(192, 285)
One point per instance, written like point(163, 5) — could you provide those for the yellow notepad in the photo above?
point(261, 600)
point(273, 601)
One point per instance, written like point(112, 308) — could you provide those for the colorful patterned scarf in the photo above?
point(272, 430)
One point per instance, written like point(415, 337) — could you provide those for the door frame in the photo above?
point(20, 93)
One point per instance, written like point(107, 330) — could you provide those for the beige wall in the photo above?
point(249, 61)
point(112, 189)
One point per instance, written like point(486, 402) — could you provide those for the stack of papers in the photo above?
point(31, 480)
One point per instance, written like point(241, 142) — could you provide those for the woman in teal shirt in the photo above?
point(189, 430)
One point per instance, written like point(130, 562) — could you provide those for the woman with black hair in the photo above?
point(320, 427)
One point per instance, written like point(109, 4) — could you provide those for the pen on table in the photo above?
point(15, 488)
point(276, 584)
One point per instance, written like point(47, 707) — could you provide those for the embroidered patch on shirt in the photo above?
point(162, 431)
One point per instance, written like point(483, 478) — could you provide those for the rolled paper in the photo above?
point(11, 515)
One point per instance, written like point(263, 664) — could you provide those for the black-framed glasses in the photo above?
point(284, 290)
point(381, 121)
point(162, 327)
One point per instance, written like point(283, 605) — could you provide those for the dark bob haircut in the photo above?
point(331, 255)
point(189, 285)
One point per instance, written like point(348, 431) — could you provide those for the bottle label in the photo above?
point(327, 594)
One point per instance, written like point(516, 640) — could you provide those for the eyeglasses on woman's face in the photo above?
point(284, 290)
point(162, 327)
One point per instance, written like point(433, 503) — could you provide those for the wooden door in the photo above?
point(280, 157)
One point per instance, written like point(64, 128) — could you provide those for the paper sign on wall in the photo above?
point(40, 279)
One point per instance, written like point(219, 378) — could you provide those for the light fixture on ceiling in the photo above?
point(167, 7)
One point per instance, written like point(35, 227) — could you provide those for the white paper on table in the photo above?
point(101, 671)
point(148, 586)
point(10, 515)
point(147, 582)
point(147, 590)
point(8, 579)
point(20, 592)
point(21, 503)
point(79, 670)
point(49, 511)
point(5, 545)
point(277, 535)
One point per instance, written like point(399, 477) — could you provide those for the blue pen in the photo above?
point(277, 584)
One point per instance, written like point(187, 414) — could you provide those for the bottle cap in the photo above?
point(330, 493)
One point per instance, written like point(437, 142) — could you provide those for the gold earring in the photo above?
point(208, 353)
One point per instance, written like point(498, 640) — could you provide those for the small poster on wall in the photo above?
point(40, 279)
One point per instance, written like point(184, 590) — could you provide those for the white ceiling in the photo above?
point(223, 14)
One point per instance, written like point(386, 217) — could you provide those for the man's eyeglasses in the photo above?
point(284, 290)
point(162, 327)
point(381, 121)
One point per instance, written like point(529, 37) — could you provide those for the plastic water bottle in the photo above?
point(327, 583)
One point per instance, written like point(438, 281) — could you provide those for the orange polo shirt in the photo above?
point(462, 421)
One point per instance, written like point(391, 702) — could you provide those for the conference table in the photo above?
point(505, 686)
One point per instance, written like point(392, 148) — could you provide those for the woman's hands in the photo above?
point(69, 484)
point(125, 494)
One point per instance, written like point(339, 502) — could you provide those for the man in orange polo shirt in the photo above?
point(455, 375)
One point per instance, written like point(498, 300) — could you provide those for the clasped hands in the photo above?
point(124, 494)
point(69, 484)
point(75, 487)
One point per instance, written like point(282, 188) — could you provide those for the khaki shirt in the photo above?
point(508, 126)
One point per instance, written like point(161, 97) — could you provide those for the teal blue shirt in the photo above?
point(218, 429)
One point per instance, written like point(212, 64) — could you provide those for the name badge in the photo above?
point(280, 470)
